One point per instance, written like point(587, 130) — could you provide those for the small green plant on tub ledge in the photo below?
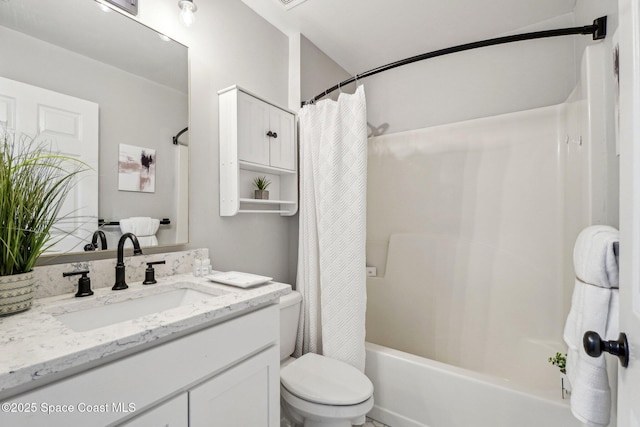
point(261, 183)
point(560, 360)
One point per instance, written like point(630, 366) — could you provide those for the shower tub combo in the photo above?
point(474, 259)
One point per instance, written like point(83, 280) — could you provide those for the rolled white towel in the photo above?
point(594, 307)
point(145, 229)
point(594, 256)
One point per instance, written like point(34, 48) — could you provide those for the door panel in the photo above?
point(70, 126)
point(253, 124)
point(282, 148)
point(629, 139)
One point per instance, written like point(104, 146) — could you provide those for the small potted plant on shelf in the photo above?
point(34, 183)
point(261, 183)
point(560, 360)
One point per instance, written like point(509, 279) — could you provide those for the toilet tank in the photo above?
point(289, 316)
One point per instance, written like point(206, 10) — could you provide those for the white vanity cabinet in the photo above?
point(257, 138)
point(168, 414)
point(225, 375)
point(237, 397)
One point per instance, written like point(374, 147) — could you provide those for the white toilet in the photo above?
point(316, 390)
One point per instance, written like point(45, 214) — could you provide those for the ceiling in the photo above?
point(109, 37)
point(364, 34)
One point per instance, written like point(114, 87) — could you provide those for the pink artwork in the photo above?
point(136, 169)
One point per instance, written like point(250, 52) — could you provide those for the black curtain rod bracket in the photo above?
point(598, 30)
point(175, 138)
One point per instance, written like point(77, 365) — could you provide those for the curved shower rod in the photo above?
point(598, 29)
point(175, 138)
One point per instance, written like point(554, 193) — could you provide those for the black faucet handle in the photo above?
point(84, 283)
point(150, 272)
point(75, 273)
point(149, 264)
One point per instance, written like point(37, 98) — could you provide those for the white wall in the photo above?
point(467, 85)
point(228, 44)
point(478, 83)
point(319, 72)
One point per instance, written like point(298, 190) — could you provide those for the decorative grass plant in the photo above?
point(261, 182)
point(34, 182)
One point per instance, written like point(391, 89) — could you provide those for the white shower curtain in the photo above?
point(331, 254)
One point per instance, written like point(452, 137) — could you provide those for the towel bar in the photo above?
point(103, 223)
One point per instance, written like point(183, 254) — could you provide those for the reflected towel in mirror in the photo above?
point(143, 227)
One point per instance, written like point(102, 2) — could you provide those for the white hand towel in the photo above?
point(143, 227)
point(593, 308)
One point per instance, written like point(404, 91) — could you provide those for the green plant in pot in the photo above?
point(559, 360)
point(34, 182)
point(261, 183)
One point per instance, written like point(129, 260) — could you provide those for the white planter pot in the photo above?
point(566, 386)
point(261, 194)
point(16, 293)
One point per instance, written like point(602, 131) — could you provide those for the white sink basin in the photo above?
point(109, 312)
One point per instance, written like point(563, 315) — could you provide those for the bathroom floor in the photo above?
point(373, 423)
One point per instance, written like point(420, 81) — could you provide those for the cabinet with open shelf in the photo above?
point(257, 139)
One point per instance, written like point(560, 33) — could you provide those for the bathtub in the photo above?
point(412, 391)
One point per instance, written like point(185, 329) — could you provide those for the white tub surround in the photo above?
point(38, 349)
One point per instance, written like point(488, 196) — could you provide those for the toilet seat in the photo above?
point(325, 381)
point(349, 414)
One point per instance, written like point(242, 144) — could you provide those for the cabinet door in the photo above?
point(282, 148)
point(253, 125)
point(173, 413)
point(245, 395)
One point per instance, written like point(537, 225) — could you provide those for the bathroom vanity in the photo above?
point(183, 352)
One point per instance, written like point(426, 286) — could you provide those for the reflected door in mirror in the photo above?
point(70, 126)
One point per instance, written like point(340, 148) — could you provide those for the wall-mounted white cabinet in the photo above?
point(257, 138)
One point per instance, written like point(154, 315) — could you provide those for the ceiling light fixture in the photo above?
point(186, 13)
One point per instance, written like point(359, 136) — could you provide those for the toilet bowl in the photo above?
point(315, 390)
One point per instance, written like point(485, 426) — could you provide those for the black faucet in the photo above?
point(120, 282)
point(94, 241)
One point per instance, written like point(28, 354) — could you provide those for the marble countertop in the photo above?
point(37, 346)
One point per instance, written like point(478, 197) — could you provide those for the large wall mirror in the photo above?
point(135, 84)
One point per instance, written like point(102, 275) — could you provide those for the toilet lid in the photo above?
point(326, 381)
